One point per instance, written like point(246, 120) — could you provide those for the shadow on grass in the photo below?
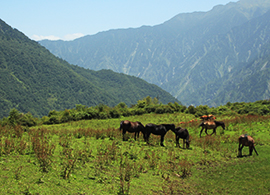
point(243, 156)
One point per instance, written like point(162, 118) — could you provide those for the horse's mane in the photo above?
point(219, 122)
point(140, 123)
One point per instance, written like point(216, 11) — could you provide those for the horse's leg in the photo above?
point(201, 132)
point(250, 149)
point(147, 137)
point(161, 140)
point(184, 143)
point(124, 132)
point(135, 134)
point(255, 150)
point(206, 130)
point(240, 150)
point(214, 131)
point(177, 140)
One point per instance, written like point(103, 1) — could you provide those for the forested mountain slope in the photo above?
point(184, 55)
point(34, 80)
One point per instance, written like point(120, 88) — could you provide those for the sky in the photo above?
point(71, 19)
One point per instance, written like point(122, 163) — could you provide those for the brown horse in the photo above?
point(183, 134)
point(246, 140)
point(132, 127)
point(211, 125)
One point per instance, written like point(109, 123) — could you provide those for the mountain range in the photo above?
point(34, 80)
point(209, 58)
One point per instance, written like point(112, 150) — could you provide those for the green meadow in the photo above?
point(89, 157)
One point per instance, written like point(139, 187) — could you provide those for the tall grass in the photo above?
point(87, 157)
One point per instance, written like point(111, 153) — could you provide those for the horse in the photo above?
point(132, 127)
point(211, 125)
point(246, 140)
point(183, 134)
point(161, 130)
point(207, 117)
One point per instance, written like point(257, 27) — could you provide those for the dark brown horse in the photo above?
point(246, 140)
point(157, 130)
point(183, 134)
point(211, 125)
point(132, 127)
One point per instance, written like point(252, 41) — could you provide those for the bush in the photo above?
point(114, 113)
point(28, 120)
point(164, 109)
point(138, 111)
point(191, 110)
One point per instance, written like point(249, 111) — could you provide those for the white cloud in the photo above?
point(70, 37)
point(41, 37)
point(67, 37)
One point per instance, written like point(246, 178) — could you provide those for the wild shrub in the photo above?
point(208, 142)
point(151, 159)
point(99, 134)
point(69, 159)
point(79, 133)
point(17, 173)
point(7, 146)
point(22, 146)
point(65, 140)
point(43, 148)
point(125, 174)
point(18, 131)
point(185, 168)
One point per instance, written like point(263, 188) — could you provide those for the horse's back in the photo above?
point(181, 132)
point(246, 140)
point(210, 124)
point(169, 126)
point(155, 129)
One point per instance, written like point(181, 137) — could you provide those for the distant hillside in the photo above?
point(34, 80)
point(193, 55)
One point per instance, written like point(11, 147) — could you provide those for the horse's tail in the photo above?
point(187, 138)
point(201, 124)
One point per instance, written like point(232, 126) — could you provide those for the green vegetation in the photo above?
point(89, 157)
point(34, 80)
point(144, 106)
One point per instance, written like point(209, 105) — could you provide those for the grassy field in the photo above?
point(89, 157)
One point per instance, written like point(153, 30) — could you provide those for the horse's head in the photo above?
point(187, 143)
point(223, 125)
point(169, 127)
point(121, 125)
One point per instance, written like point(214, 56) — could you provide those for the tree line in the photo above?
point(144, 106)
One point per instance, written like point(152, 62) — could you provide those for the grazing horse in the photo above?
point(246, 140)
point(211, 125)
point(132, 127)
point(183, 134)
point(207, 117)
point(157, 130)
